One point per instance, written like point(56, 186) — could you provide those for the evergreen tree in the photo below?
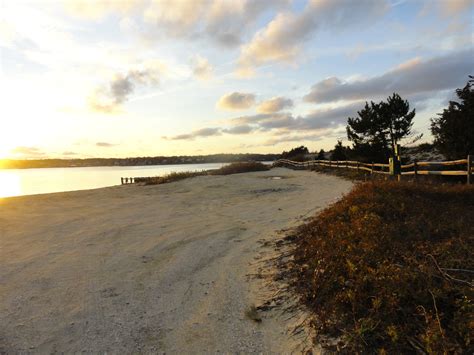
point(339, 152)
point(321, 155)
point(380, 127)
point(297, 154)
point(454, 128)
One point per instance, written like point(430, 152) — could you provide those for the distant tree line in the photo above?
point(137, 161)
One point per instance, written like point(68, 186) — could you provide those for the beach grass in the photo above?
point(172, 177)
point(388, 269)
point(233, 168)
point(240, 167)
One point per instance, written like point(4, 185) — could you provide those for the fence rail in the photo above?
point(416, 168)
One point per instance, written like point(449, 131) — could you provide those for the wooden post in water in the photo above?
point(469, 169)
point(121, 180)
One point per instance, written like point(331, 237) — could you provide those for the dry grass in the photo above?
point(252, 313)
point(234, 168)
point(389, 269)
point(156, 180)
point(242, 167)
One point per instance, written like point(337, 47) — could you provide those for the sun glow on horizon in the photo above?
point(146, 78)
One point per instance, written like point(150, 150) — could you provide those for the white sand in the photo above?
point(148, 268)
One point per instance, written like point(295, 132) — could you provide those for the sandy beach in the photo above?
point(149, 268)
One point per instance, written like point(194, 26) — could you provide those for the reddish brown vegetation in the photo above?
point(234, 168)
point(243, 167)
point(389, 269)
point(156, 180)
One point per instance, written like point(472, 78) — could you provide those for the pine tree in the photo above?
point(380, 127)
point(321, 155)
point(339, 152)
point(454, 128)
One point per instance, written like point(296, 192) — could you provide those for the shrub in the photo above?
point(171, 177)
point(388, 269)
point(237, 168)
point(296, 154)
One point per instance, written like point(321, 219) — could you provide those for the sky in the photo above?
point(122, 78)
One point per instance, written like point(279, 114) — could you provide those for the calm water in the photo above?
point(18, 182)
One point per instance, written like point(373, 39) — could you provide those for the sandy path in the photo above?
point(147, 268)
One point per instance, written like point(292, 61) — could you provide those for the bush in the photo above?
point(171, 177)
point(388, 269)
point(296, 154)
point(237, 168)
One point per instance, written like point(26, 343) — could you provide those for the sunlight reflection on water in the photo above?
point(10, 184)
point(18, 182)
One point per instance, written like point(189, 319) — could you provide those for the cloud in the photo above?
point(274, 105)
point(409, 78)
point(110, 97)
point(223, 21)
point(28, 152)
point(203, 132)
point(298, 138)
point(316, 119)
point(243, 129)
point(282, 123)
point(282, 39)
point(236, 101)
point(453, 7)
point(447, 8)
point(202, 69)
point(96, 10)
point(105, 144)
point(69, 153)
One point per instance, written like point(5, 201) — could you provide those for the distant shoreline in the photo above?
point(136, 161)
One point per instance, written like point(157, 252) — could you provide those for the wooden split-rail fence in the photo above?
point(398, 170)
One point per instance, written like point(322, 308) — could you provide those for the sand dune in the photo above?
point(148, 268)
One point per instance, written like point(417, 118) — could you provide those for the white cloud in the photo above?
point(236, 101)
point(28, 152)
point(203, 132)
point(282, 123)
point(274, 104)
point(446, 8)
point(282, 39)
point(223, 21)
point(110, 97)
point(105, 144)
point(412, 77)
point(202, 69)
point(98, 9)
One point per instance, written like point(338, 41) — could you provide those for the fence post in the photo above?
point(415, 169)
point(469, 169)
